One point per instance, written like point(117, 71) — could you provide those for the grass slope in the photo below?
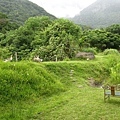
point(21, 81)
point(56, 90)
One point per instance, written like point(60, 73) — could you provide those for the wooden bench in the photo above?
point(111, 91)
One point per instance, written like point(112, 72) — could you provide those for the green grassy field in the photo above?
point(68, 90)
point(75, 104)
point(80, 104)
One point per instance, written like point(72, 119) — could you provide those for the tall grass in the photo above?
point(21, 81)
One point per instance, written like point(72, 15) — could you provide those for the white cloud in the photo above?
point(63, 8)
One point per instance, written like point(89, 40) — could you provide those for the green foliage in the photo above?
point(113, 60)
point(3, 20)
point(111, 52)
point(61, 40)
point(44, 37)
point(55, 39)
point(27, 37)
point(38, 23)
point(89, 49)
point(115, 28)
point(100, 39)
point(3, 16)
point(4, 53)
point(115, 75)
point(5, 24)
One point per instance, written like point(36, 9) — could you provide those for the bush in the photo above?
point(111, 52)
point(92, 50)
point(115, 75)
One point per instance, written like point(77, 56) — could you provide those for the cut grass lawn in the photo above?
point(84, 103)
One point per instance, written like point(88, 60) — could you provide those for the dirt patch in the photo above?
point(93, 83)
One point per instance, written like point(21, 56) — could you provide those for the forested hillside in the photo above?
point(20, 10)
point(102, 13)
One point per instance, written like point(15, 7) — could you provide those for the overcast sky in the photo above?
point(63, 8)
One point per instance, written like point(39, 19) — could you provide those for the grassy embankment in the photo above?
point(56, 90)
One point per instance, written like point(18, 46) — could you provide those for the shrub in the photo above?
point(115, 75)
point(111, 52)
point(90, 49)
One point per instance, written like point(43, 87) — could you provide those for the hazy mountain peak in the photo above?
point(100, 14)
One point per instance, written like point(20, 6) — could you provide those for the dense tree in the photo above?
point(61, 40)
point(115, 28)
point(5, 24)
point(53, 39)
point(44, 37)
point(22, 40)
point(6, 27)
point(101, 39)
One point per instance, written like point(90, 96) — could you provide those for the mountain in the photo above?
point(102, 13)
point(20, 10)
